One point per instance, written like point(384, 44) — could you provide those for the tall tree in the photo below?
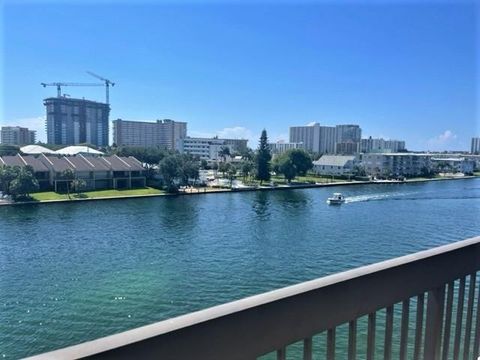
point(247, 154)
point(301, 159)
point(246, 168)
point(24, 184)
point(169, 170)
point(189, 169)
point(232, 171)
point(223, 168)
point(263, 158)
point(287, 168)
point(7, 175)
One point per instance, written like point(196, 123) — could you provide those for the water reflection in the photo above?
point(261, 205)
point(297, 199)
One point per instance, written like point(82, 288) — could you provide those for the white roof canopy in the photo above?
point(35, 149)
point(75, 150)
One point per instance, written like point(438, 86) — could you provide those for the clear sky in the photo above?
point(400, 69)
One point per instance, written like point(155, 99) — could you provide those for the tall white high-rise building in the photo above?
point(475, 149)
point(162, 133)
point(327, 140)
point(309, 135)
point(381, 145)
point(324, 139)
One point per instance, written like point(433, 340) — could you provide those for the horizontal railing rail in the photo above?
point(434, 280)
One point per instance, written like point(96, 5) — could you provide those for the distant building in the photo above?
point(281, 147)
point(309, 135)
point(76, 121)
point(238, 145)
point(334, 165)
point(324, 139)
point(205, 148)
point(16, 135)
point(395, 164)
point(348, 147)
point(475, 149)
point(475, 159)
point(348, 139)
point(345, 133)
point(162, 133)
point(381, 145)
point(452, 165)
point(327, 140)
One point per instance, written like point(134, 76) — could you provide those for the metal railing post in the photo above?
point(433, 324)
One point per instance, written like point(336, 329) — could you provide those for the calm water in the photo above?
point(74, 272)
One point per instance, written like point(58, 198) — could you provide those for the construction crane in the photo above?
point(60, 84)
point(107, 84)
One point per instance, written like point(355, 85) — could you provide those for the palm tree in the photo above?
point(224, 152)
point(69, 176)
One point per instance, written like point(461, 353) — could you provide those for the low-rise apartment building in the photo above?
point(103, 172)
point(395, 164)
point(452, 165)
point(210, 148)
point(204, 149)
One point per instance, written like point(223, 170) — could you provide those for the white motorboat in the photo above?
point(336, 199)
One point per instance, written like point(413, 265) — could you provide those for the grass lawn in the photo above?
point(50, 195)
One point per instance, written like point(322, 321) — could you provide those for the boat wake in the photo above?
point(368, 197)
point(408, 196)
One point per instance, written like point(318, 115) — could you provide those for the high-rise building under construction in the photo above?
point(76, 121)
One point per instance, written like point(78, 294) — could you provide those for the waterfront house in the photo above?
point(334, 165)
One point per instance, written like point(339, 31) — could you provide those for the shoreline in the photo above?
point(223, 191)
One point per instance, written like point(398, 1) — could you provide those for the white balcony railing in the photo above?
point(430, 302)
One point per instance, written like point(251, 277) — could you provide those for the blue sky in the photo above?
point(402, 69)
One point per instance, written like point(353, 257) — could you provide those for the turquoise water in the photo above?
point(74, 272)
